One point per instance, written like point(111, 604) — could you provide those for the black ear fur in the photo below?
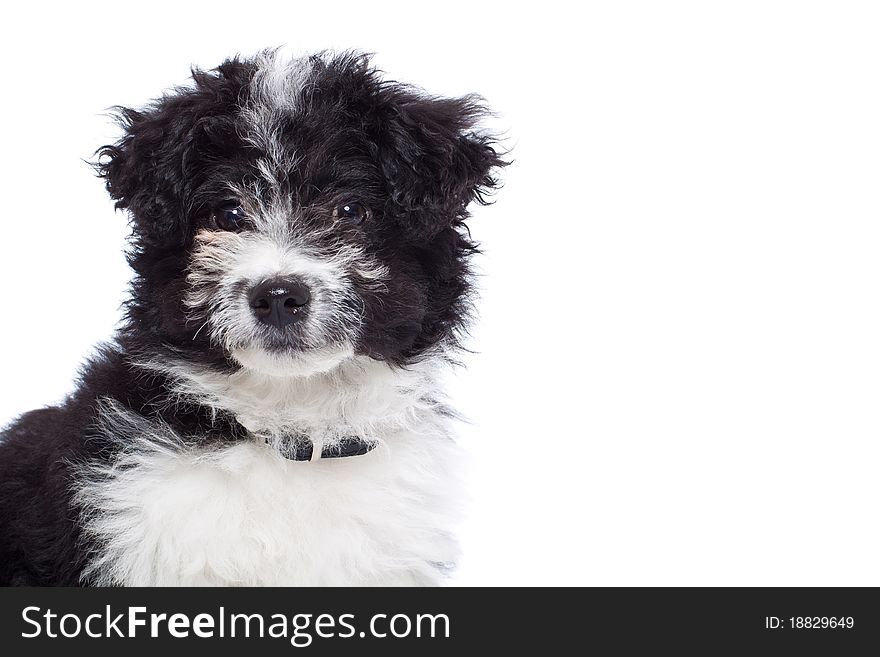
point(144, 170)
point(152, 171)
point(435, 163)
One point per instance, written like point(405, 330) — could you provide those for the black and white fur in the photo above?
point(169, 463)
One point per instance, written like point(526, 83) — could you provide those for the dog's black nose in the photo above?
point(280, 301)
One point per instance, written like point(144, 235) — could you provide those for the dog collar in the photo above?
point(298, 446)
point(301, 448)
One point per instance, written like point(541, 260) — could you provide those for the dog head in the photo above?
point(290, 214)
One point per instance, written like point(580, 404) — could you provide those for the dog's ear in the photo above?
point(434, 163)
point(144, 170)
point(155, 168)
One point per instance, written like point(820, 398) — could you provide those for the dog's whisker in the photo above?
point(196, 334)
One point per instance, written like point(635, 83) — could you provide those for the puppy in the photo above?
point(270, 411)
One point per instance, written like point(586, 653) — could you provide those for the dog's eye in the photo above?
point(353, 212)
point(228, 217)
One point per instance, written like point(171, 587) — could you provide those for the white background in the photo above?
point(678, 369)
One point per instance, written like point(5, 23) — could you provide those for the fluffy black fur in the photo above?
point(413, 159)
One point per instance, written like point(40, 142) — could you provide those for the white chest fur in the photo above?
point(165, 513)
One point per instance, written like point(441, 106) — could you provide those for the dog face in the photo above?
point(288, 215)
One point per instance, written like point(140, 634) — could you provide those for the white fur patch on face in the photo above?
point(225, 265)
point(168, 513)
